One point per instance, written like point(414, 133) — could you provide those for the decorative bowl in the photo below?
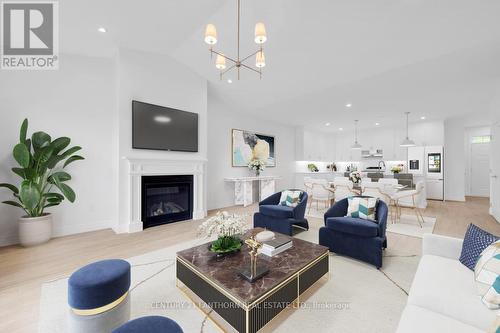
point(226, 252)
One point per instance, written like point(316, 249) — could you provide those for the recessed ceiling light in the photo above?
point(327, 124)
point(423, 117)
point(348, 105)
point(229, 81)
point(341, 129)
point(376, 124)
point(102, 29)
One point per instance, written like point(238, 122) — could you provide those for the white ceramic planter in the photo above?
point(35, 230)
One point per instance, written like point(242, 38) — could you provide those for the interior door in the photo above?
point(480, 170)
point(495, 171)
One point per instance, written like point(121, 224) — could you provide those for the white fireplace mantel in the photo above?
point(136, 168)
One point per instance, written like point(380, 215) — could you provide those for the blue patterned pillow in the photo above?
point(475, 241)
point(290, 198)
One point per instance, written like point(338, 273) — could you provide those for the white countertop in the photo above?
point(387, 174)
point(320, 172)
point(339, 172)
point(238, 179)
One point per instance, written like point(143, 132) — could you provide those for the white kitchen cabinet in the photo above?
point(309, 153)
point(387, 147)
point(389, 141)
point(386, 139)
point(355, 154)
point(400, 153)
point(314, 146)
point(386, 143)
point(344, 149)
point(344, 152)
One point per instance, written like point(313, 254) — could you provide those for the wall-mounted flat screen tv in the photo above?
point(162, 128)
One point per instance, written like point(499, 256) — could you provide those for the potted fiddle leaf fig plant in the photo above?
point(42, 164)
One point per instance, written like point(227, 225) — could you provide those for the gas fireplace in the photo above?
point(166, 199)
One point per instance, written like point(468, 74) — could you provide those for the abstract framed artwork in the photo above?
point(247, 145)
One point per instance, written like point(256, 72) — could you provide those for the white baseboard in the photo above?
point(199, 214)
point(456, 198)
point(135, 226)
point(70, 229)
point(9, 238)
point(119, 228)
point(61, 230)
point(496, 215)
point(123, 228)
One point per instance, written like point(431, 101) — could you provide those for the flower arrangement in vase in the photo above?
point(257, 165)
point(227, 227)
point(355, 177)
point(397, 169)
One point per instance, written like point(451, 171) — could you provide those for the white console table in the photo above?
point(243, 188)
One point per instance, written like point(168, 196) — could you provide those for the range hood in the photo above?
point(372, 153)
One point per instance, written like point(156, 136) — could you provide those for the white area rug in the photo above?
point(356, 298)
point(408, 225)
point(317, 213)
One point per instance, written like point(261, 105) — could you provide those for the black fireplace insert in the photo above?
point(166, 199)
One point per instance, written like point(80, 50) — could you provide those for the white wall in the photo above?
point(455, 162)
point(495, 157)
point(155, 79)
point(221, 120)
point(89, 100)
point(158, 79)
point(77, 101)
point(495, 172)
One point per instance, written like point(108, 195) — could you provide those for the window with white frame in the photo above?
point(481, 139)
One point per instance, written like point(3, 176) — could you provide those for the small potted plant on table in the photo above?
point(312, 167)
point(227, 227)
point(42, 162)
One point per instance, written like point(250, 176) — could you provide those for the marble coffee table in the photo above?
point(246, 306)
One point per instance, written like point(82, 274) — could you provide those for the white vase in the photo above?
point(35, 230)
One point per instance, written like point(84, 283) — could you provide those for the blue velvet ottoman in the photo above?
point(98, 287)
point(151, 324)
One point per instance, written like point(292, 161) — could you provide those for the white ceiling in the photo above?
point(432, 58)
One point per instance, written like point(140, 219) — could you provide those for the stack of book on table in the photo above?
point(275, 246)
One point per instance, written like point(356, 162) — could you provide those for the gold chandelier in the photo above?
point(220, 58)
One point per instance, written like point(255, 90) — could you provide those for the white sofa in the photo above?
point(443, 296)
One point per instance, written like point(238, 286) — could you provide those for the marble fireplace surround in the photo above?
point(136, 168)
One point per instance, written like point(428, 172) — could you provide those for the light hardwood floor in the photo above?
point(22, 271)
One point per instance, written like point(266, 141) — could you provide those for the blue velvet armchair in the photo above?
point(354, 237)
point(275, 217)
